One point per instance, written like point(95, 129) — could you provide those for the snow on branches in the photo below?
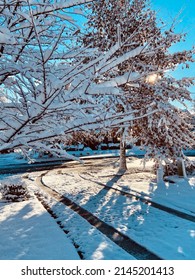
point(133, 25)
point(52, 84)
point(48, 89)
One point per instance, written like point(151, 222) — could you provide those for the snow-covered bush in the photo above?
point(171, 167)
point(14, 190)
point(190, 167)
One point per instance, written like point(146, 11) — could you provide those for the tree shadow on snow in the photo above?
point(25, 234)
point(178, 192)
point(151, 227)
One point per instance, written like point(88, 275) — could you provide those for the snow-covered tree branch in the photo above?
point(53, 84)
point(133, 25)
point(47, 89)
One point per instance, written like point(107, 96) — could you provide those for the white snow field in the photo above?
point(27, 231)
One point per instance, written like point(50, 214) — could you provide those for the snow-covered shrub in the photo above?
point(169, 168)
point(14, 190)
point(172, 168)
point(190, 167)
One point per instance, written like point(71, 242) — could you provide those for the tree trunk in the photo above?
point(181, 170)
point(123, 163)
point(160, 173)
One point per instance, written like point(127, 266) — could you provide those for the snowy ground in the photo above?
point(28, 232)
point(166, 235)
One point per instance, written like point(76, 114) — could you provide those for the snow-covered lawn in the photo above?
point(168, 236)
point(28, 232)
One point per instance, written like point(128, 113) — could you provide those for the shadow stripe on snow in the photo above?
point(138, 196)
point(125, 242)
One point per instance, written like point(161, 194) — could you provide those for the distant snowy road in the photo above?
point(12, 163)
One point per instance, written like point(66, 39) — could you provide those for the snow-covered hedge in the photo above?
point(14, 190)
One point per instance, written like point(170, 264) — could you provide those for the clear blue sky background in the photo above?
point(184, 10)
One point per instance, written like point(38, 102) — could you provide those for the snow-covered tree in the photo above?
point(48, 89)
point(18, 35)
point(134, 25)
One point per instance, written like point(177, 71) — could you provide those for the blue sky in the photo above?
point(185, 11)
